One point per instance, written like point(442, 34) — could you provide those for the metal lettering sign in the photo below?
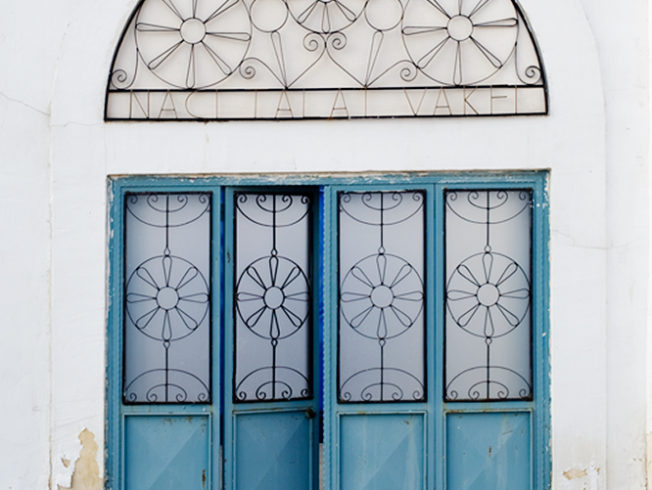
point(325, 59)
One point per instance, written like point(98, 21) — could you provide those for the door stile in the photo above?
point(330, 468)
point(541, 336)
point(114, 458)
point(433, 345)
point(438, 282)
point(217, 265)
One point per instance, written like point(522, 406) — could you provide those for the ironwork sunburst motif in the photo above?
point(326, 16)
point(272, 298)
point(381, 299)
point(167, 300)
point(488, 297)
point(467, 41)
point(238, 49)
point(193, 43)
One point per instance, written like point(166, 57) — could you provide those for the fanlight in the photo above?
point(312, 59)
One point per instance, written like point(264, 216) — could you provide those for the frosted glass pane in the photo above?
point(488, 292)
point(167, 298)
point(273, 328)
point(381, 321)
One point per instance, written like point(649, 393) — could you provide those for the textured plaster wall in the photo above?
point(56, 154)
point(24, 298)
point(28, 63)
point(649, 310)
point(625, 79)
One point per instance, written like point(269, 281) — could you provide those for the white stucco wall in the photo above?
point(628, 219)
point(649, 310)
point(56, 154)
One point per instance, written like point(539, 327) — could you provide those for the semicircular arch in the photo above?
point(280, 59)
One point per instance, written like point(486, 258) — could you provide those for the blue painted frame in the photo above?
point(434, 184)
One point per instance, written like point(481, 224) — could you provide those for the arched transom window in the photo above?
point(316, 59)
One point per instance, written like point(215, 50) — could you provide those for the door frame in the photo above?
point(539, 407)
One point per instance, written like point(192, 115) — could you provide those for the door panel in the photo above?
point(382, 452)
point(488, 450)
point(273, 451)
point(167, 452)
point(165, 432)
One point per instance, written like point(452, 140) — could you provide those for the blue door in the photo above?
point(272, 379)
point(376, 334)
point(163, 387)
point(380, 339)
point(435, 347)
point(493, 355)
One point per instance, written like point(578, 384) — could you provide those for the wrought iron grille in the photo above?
point(311, 59)
point(381, 328)
point(488, 295)
point(273, 300)
point(167, 298)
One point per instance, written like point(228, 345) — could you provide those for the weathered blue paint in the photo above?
point(167, 452)
point(438, 285)
point(274, 451)
point(380, 452)
point(488, 451)
point(357, 437)
point(535, 412)
point(123, 455)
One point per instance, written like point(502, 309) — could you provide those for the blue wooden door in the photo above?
point(420, 303)
point(164, 386)
point(378, 433)
point(435, 337)
point(491, 423)
point(271, 383)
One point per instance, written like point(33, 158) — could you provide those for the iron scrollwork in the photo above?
point(167, 299)
point(488, 296)
point(272, 298)
point(381, 299)
point(280, 59)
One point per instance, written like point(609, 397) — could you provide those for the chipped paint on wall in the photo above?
point(86, 472)
point(649, 447)
point(581, 478)
point(575, 473)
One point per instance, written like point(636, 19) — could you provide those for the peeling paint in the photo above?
point(649, 453)
point(584, 478)
point(575, 473)
point(86, 473)
point(65, 462)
